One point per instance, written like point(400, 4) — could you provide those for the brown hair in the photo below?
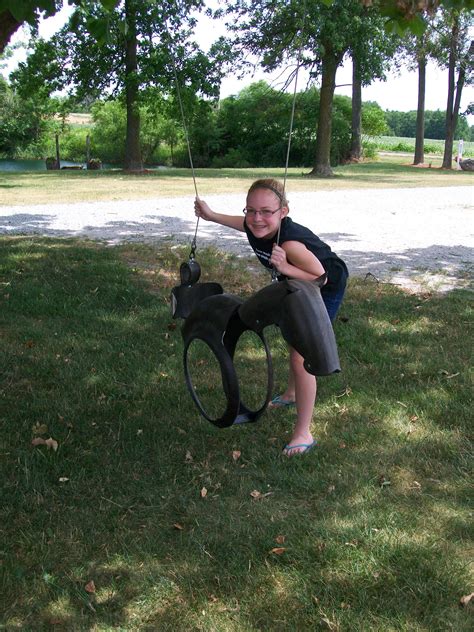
point(272, 185)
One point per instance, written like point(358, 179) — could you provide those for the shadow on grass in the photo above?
point(373, 526)
point(450, 262)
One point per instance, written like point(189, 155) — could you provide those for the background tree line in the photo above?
point(249, 129)
point(130, 50)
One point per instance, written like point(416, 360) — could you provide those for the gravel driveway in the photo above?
point(420, 237)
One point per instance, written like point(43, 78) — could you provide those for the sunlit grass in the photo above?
point(50, 187)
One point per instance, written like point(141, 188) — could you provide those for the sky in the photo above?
point(399, 92)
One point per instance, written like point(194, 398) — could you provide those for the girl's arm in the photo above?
point(202, 209)
point(295, 261)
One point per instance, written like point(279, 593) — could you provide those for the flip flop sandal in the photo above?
point(306, 448)
point(278, 402)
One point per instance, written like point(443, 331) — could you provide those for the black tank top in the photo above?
point(333, 265)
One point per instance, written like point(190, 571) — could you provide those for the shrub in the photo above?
point(369, 150)
point(405, 147)
point(73, 144)
point(233, 159)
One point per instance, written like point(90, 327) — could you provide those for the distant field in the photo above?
point(79, 119)
point(406, 144)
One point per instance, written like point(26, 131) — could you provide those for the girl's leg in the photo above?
point(290, 392)
point(305, 395)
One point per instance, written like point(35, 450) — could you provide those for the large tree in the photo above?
point(372, 52)
point(136, 45)
point(416, 50)
point(455, 26)
point(319, 35)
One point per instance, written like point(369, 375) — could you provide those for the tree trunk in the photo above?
point(58, 156)
point(449, 129)
point(355, 152)
point(419, 157)
point(454, 103)
point(8, 26)
point(133, 160)
point(322, 162)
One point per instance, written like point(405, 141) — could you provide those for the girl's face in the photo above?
point(264, 213)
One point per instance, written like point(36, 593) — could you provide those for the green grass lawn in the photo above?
point(114, 531)
point(46, 187)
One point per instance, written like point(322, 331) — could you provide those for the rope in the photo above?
point(186, 135)
point(292, 119)
point(188, 144)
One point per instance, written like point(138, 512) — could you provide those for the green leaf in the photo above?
point(123, 27)
point(417, 25)
point(109, 5)
point(98, 28)
point(21, 12)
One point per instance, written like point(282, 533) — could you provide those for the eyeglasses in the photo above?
point(265, 213)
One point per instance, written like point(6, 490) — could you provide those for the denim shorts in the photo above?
point(333, 301)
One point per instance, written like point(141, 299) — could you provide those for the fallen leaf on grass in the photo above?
point(466, 600)
point(49, 443)
point(178, 526)
point(203, 492)
point(39, 429)
point(329, 625)
point(280, 539)
point(90, 587)
point(278, 550)
point(257, 495)
point(448, 375)
point(236, 455)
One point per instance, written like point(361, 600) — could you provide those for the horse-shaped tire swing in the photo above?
point(219, 320)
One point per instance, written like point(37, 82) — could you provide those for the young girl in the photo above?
point(299, 254)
